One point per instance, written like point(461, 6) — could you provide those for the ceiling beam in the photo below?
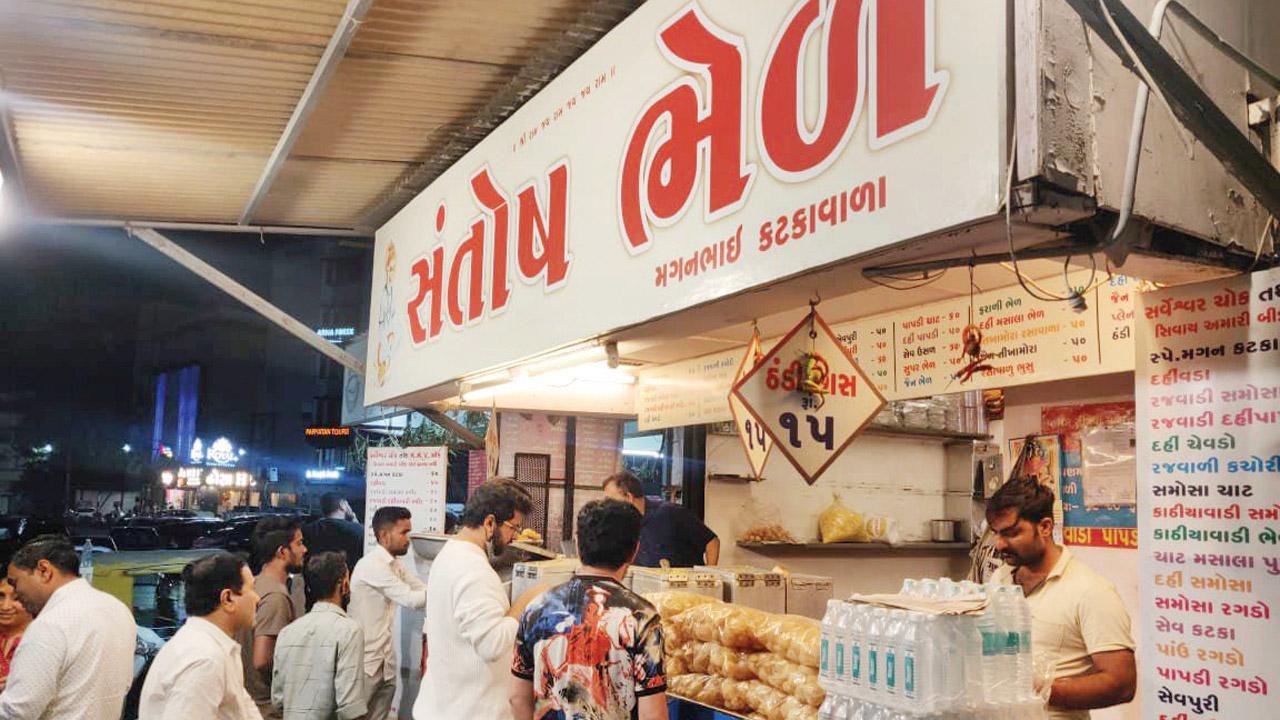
point(202, 227)
point(333, 53)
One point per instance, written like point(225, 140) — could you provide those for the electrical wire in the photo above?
point(918, 282)
point(1262, 242)
point(1008, 229)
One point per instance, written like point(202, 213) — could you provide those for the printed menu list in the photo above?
point(1208, 403)
point(413, 478)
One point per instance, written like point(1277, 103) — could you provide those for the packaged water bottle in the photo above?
point(992, 656)
point(892, 658)
point(929, 589)
point(874, 663)
point(86, 561)
point(971, 645)
point(910, 588)
point(840, 656)
point(857, 648)
point(826, 666)
point(916, 688)
point(1026, 663)
point(948, 588)
point(828, 709)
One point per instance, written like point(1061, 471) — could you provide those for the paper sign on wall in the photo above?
point(809, 396)
point(755, 441)
point(413, 478)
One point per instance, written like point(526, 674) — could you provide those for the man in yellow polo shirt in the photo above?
point(1077, 619)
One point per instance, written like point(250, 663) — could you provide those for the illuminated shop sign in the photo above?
point(324, 474)
point(194, 477)
point(220, 453)
point(337, 335)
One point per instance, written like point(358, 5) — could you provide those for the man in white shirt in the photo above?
point(198, 674)
point(379, 583)
point(75, 661)
point(471, 625)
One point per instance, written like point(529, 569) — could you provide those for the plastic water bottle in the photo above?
point(893, 657)
point(1013, 640)
point(929, 589)
point(948, 588)
point(826, 668)
point(970, 640)
point(840, 654)
point(857, 648)
point(86, 561)
point(1026, 664)
point(828, 709)
point(917, 690)
point(875, 663)
point(992, 655)
point(910, 588)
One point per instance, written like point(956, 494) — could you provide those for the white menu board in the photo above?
point(1208, 409)
point(413, 478)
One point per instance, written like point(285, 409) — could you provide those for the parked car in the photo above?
point(136, 538)
point(234, 536)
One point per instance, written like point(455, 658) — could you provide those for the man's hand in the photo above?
point(1113, 682)
point(713, 552)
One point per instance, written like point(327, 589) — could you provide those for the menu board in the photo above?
point(597, 450)
point(1208, 431)
point(690, 392)
point(917, 353)
point(413, 478)
point(532, 433)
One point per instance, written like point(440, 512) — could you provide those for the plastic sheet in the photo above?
point(700, 688)
point(670, 603)
point(715, 659)
point(793, 637)
point(798, 681)
point(732, 626)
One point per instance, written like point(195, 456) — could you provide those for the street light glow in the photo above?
point(127, 448)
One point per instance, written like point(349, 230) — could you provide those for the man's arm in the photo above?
point(1113, 682)
point(33, 675)
point(409, 592)
point(264, 650)
point(521, 699)
point(652, 707)
point(713, 552)
point(348, 679)
point(275, 612)
point(480, 612)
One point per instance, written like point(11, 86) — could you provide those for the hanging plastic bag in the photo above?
point(758, 521)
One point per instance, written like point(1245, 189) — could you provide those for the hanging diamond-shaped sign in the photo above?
point(755, 441)
point(810, 396)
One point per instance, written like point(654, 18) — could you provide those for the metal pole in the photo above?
point(201, 227)
point(256, 302)
point(338, 44)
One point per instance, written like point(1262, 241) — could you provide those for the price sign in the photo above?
point(755, 441)
point(811, 398)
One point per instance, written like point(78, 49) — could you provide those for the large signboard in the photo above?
point(1208, 432)
point(700, 149)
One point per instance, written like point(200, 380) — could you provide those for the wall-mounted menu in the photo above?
point(1208, 410)
point(597, 450)
point(917, 352)
point(412, 477)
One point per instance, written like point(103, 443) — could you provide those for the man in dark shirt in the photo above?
point(337, 531)
point(671, 532)
point(591, 648)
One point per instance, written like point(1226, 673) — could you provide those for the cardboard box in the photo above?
point(526, 575)
point(808, 595)
point(752, 587)
point(644, 580)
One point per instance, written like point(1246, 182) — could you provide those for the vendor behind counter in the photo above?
point(671, 532)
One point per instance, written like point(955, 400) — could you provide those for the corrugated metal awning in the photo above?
point(168, 110)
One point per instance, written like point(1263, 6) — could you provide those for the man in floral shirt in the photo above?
point(591, 648)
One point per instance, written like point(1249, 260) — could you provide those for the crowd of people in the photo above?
point(311, 638)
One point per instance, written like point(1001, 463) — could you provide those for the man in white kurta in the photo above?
point(471, 625)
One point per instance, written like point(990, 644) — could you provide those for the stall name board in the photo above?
point(699, 150)
point(1208, 448)
point(194, 477)
point(915, 353)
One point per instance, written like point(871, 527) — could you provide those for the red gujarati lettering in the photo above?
point(456, 284)
point(657, 187)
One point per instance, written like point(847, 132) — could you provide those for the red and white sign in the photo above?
point(810, 428)
point(755, 441)
point(698, 150)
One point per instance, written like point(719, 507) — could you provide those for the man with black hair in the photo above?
point(671, 532)
point(75, 661)
point(471, 623)
point(319, 662)
point(337, 530)
point(590, 647)
point(1078, 620)
point(379, 583)
point(198, 674)
point(278, 545)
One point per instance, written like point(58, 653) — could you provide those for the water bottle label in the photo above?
point(890, 671)
point(871, 668)
point(855, 663)
point(840, 660)
point(909, 675)
point(825, 657)
point(990, 644)
point(1026, 641)
point(1011, 644)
